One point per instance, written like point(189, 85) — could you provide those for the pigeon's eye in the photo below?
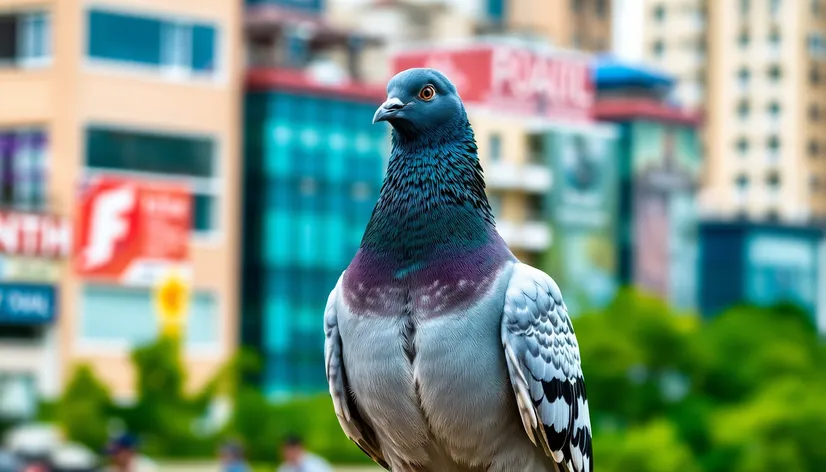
point(427, 93)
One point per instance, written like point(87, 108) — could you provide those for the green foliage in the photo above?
point(84, 408)
point(653, 447)
point(742, 392)
point(164, 416)
point(263, 425)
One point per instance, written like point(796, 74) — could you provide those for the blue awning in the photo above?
point(610, 72)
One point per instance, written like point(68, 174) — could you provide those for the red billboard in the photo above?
point(132, 232)
point(510, 78)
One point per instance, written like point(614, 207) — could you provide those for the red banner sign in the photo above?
point(512, 79)
point(132, 232)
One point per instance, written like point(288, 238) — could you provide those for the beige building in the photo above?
point(674, 39)
point(764, 100)
point(755, 69)
point(575, 24)
point(143, 89)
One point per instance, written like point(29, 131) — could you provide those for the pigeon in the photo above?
point(443, 352)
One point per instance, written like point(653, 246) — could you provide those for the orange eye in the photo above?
point(427, 93)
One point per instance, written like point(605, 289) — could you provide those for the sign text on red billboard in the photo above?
point(132, 232)
point(33, 234)
point(512, 79)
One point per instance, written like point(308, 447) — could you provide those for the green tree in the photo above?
point(636, 354)
point(84, 408)
point(780, 428)
point(653, 447)
point(163, 415)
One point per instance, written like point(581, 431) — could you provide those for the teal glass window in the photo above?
point(126, 38)
point(151, 41)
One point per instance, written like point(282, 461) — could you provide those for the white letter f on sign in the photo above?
point(108, 225)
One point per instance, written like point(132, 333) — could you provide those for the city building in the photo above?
point(754, 68)
point(764, 110)
point(763, 264)
point(549, 167)
point(669, 35)
point(313, 168)
point(579, 24)
point(660, 165)
point(147, 92)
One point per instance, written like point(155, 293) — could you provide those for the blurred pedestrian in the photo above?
point(232, 458)
point(124, 457)
point(297, 459)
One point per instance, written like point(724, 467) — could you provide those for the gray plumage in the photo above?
point(443, 352)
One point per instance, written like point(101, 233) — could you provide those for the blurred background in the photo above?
point(182, 183)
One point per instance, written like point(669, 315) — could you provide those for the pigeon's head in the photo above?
point(419, 101)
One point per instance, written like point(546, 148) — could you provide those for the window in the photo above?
point(774, 110)
point(659, 12)
point(743, 109)
point(744, 39)
point(743, 76)
point(175, 47)
point(136, 323)
point(742, 146)
point(815, 7)
point(25, 39)
point(816, 46)
point(775, 73)
point(23, 179)
point(773, 147)
point(774, 39)
point(658, 48)
point(774, 7)
point(742, 181)
point(814, 75)
point(161, 156)
point(534, 207)
point(741, 186)
point(576, 5)
point(814, 112)
point(601, 8)
point(814, 183)
point(745, 6)
point(814, 148)
point(536, 148)
point(773, 180)
point(495, 147)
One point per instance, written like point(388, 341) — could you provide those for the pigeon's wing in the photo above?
point(347, 412)
point(543, 362)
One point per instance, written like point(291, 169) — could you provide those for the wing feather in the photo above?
point(543, 361)
point(346, 410)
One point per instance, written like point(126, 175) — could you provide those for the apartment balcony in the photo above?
point(532, 236)
point(526, 177)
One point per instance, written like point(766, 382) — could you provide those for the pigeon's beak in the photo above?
point(388, 110)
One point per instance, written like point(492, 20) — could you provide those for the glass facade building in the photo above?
point(313, 170)
point(760, 263)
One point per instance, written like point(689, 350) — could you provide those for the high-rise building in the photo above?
point(674, 39)
point(755, 70)
point(145, 91)
point(314, 164)
point(765, 93)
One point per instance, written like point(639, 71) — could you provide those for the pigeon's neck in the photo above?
point(432, 204)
